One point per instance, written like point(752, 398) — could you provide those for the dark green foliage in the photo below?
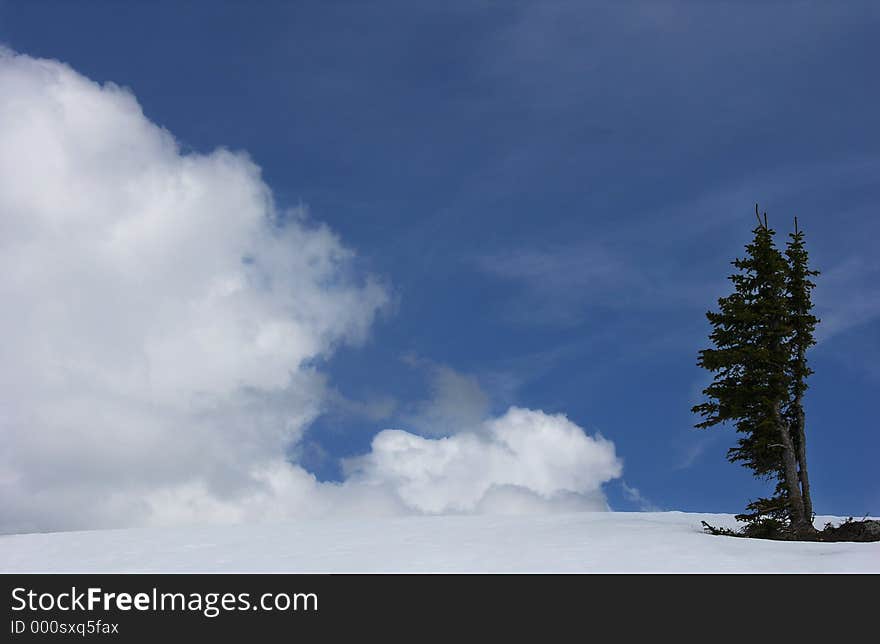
point(760, 527)
point(750, 359)
point(775, 508)
point(852, 530)
point(719, 532)
point(799, 286)
point(760, 334)
point(866, 530)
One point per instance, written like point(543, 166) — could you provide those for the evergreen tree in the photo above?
point(803, 324)
point(753, 333)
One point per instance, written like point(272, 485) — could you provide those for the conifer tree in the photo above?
point(754, 386)
point(803, 324)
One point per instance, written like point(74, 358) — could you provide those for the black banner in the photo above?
point(153, 607)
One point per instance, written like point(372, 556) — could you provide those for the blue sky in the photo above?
point(553, 193)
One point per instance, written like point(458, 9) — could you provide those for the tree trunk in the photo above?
point(802, 526)
point(801, 440)
point(802, 459)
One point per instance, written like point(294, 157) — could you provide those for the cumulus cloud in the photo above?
point(524, 460)
point(161, 324)
point(160, 315)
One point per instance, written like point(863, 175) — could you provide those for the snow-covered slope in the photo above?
point(586, 542)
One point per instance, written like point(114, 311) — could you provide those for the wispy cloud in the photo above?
point(557, 283)
point(633, 495)
point(847, 296)
point(698, 441)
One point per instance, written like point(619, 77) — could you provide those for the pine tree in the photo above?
point(753, 333)
point(803, 323)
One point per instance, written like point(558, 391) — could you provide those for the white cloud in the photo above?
point(523, 460)
point(159, 316)
point(161, 322)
